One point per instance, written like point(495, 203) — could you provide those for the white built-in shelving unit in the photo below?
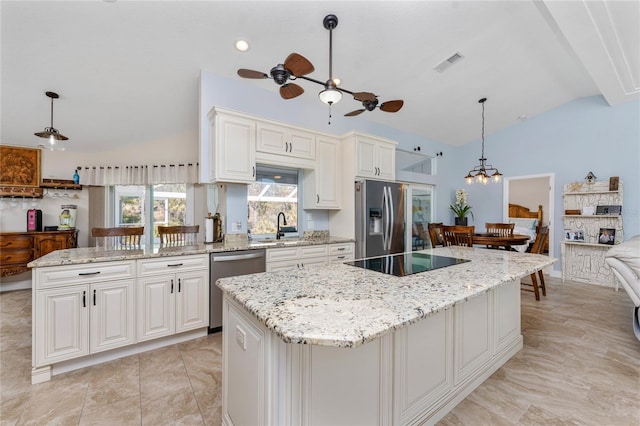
point(583, 260)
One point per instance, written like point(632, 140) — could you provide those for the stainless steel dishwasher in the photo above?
point(229, 264)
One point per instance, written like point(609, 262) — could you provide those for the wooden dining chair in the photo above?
point(178, 235)
point(457, 235)
point(435, 234)
point(539, 244)
point(419, 236)
point(500, 229)
point(118, 238)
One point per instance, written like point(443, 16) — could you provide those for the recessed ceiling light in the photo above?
point(522, 117)
point(242, 45)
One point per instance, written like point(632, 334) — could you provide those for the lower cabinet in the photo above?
point(173, 296)
point(281, 259)
point(84, 309)
point(83, 319)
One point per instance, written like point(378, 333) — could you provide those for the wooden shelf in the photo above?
point(20, 191)
point(59, 184)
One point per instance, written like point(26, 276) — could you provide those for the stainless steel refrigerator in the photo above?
point(380, 218)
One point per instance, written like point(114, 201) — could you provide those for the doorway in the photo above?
point(531, 191)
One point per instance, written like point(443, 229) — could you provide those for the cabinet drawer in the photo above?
point(15, 242)
point(275, 255)
point(57, 276)
point(162, 265)
point(313, 251)
point(338, 249)
point(346, 257)
point(12, 257)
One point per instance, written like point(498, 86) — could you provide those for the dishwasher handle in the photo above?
point(237, 257)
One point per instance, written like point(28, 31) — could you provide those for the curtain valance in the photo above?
point(138, 174)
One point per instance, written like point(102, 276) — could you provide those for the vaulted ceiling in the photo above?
point(128, 72)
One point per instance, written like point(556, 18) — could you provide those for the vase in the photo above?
point(461, 221)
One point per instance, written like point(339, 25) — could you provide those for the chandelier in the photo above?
point(479, 172)
point(55, 138)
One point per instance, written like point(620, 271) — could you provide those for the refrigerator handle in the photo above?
point(384, 216)
point(392, 214)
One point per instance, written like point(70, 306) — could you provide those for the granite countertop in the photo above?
point(97, 254)
point(347, 306)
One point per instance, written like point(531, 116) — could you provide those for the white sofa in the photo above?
point(624, 260)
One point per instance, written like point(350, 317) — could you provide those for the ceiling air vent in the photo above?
point(442, 66)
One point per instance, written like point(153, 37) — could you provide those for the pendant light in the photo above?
point(55, 138)
point(330, 95)
point(479, 172)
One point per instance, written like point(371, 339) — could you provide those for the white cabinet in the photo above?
point(173, 295)
point(322, 184)
point(375, 158)
point(112, 317)
point(80, 311)
point(279, 259)
point(61, 321)
point(232, 148)
point(295, 257)
point(583, 260)
point(285, 141)
point(341, 252)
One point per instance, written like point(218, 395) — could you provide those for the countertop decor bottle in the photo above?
point(76, 177)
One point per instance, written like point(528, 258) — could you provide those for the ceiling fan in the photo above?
point(297, 66)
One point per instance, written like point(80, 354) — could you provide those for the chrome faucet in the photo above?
point(284, 222)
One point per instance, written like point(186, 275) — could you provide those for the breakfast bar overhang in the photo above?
point(345, 345)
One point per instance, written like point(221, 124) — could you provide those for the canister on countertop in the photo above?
point(68, 216)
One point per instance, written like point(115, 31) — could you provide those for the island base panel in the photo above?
point(413, 375)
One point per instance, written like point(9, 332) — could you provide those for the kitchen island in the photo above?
point(345, 345)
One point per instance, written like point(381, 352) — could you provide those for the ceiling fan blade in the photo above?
point(290, 90)
point(298, 65)
point(354, 113)
point(364, 96)
point(244, 73)
point(392, 106)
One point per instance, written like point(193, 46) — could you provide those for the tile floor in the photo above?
point(580, 365)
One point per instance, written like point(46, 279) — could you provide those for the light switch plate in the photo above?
point(241, 338)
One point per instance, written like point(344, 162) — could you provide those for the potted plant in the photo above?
point(461, 208)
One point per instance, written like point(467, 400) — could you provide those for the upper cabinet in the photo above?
point(233, 148)
point(282, 145)
point(374, 158)
point(322, 184)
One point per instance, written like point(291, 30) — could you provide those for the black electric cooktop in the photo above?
point(403, 264)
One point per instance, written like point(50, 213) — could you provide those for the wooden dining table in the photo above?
point(495, 240)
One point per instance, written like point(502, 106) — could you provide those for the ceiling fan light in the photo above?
point(330, 96)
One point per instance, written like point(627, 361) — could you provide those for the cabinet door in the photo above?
point(286, 141)
point(233, 150)
point(62, 324)
point(45, 244)
point(327, 174)
point(302, 144)
point(366, 158)
point(192, 301)
point(386, 161)
point(112, 320)
point(271, 138)
point(156, 306)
